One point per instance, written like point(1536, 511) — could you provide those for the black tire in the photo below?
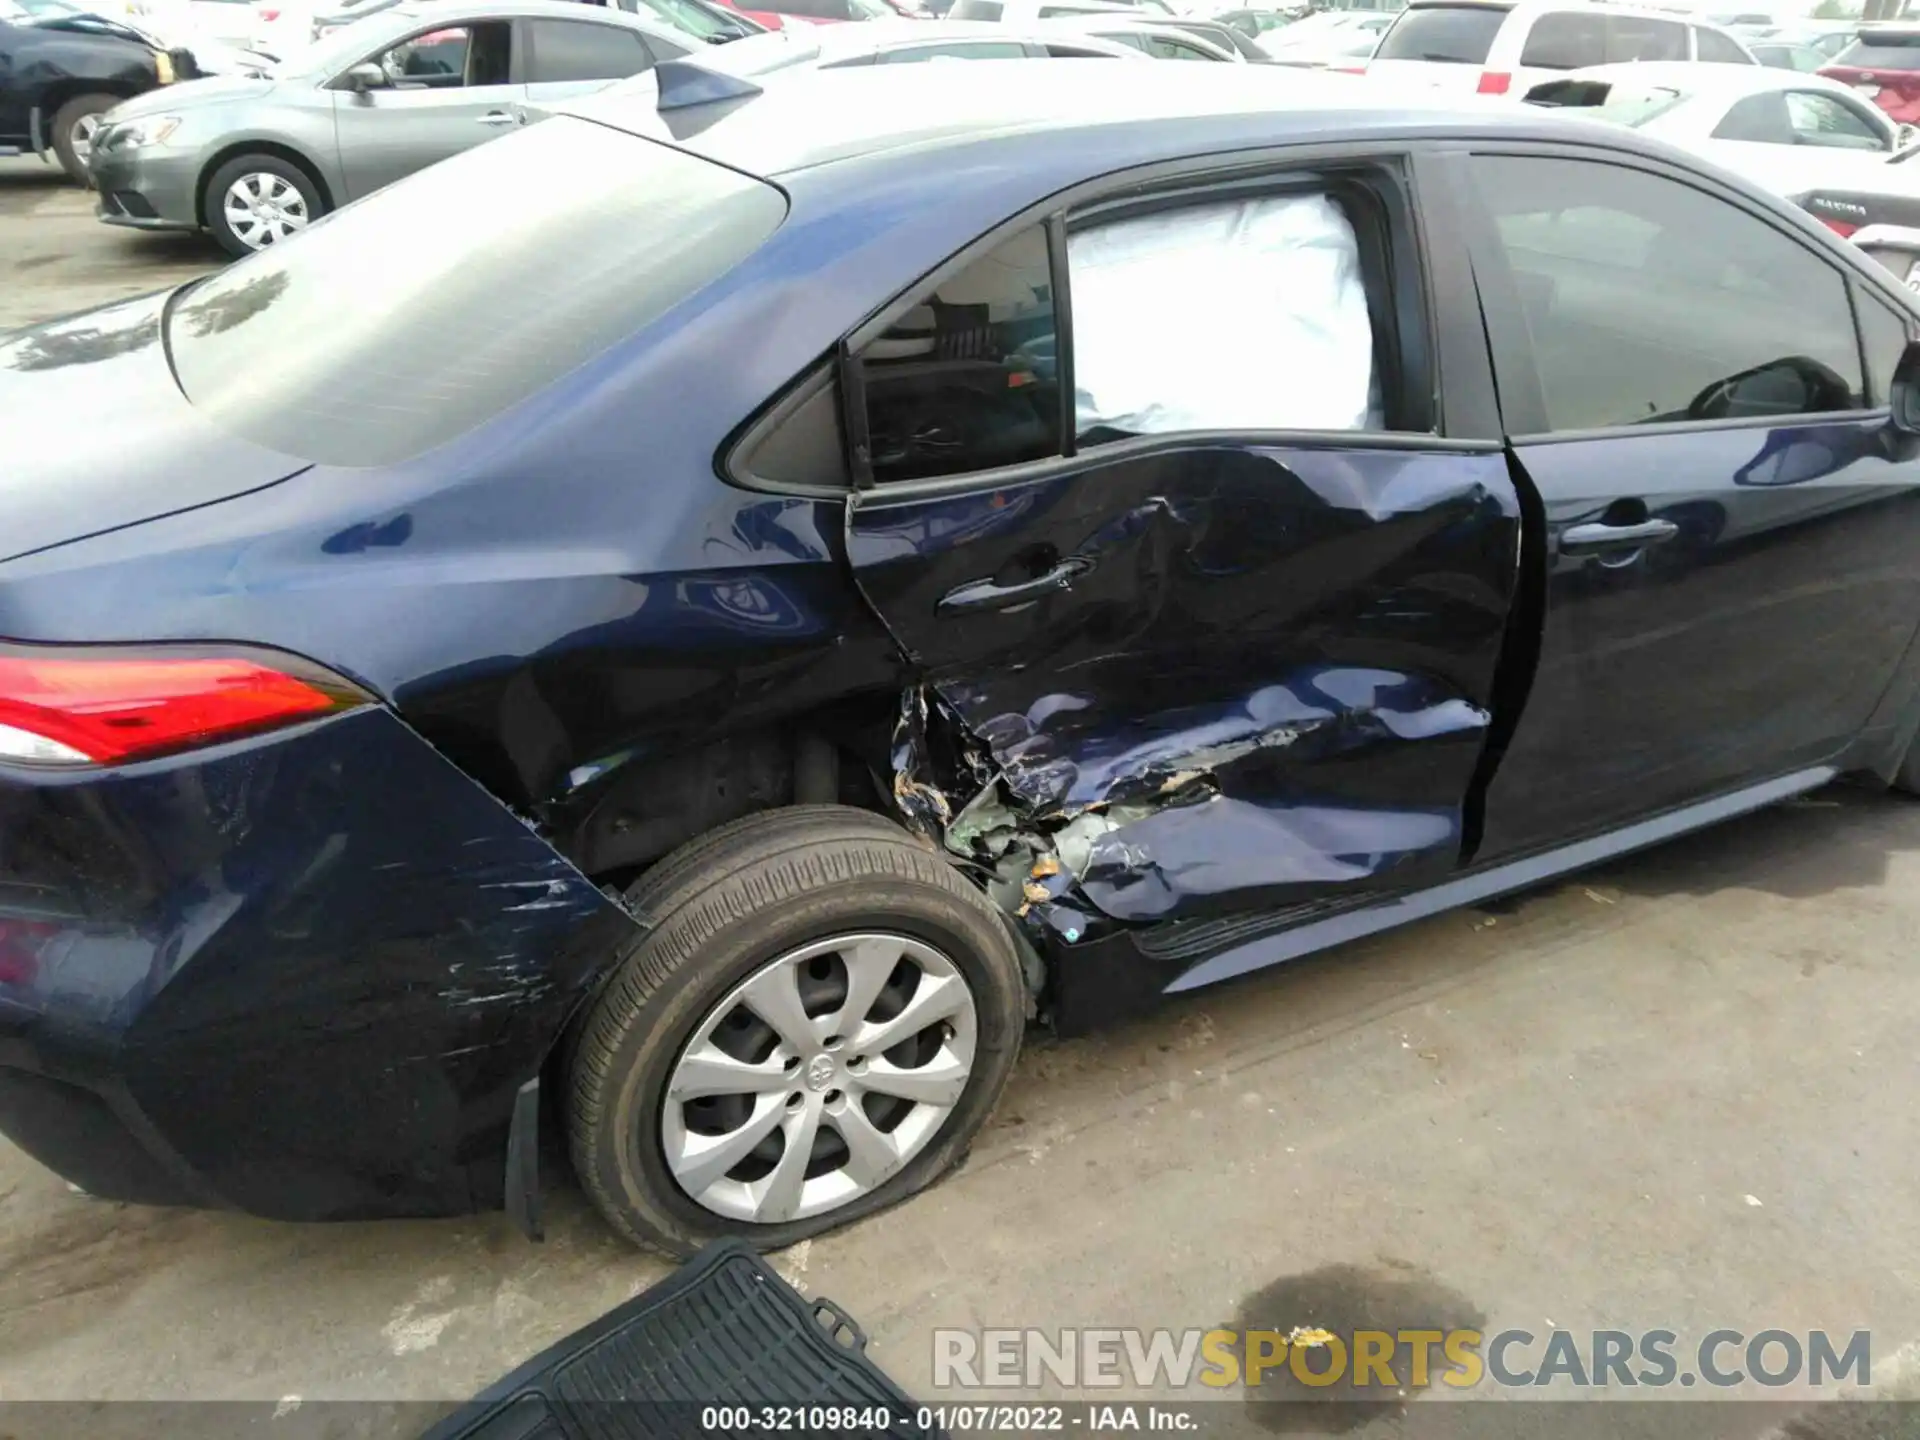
point(213, 195)
point(723, 905)
point(65, 118)
point(1907, 778)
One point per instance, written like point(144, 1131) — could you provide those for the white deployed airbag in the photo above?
point(1245, 315)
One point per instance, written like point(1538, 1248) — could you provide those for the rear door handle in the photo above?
point(497, 117)
point(987, 595)
point(1584, 539)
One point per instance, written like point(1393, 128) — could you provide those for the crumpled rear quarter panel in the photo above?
point(306, 972)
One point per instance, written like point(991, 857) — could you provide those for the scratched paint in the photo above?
point(1270, 679)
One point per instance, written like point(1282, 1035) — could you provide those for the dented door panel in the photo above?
point(1268, 678)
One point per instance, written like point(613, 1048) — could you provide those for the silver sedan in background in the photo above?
point(255, 160)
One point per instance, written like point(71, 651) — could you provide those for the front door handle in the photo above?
point(1584, 539)
point(497, 117)
point(987, 595)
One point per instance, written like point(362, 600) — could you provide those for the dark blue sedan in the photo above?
point(719, 608)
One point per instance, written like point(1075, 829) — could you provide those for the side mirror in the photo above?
point(366, 76)
point(1903, 396)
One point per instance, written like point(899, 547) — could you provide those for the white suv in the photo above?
point(1499, 47)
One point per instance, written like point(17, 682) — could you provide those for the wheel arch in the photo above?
point(277, 149)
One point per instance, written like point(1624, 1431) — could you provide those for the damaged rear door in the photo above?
point(1207, 608)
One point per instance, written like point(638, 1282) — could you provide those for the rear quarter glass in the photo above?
point(400, 323)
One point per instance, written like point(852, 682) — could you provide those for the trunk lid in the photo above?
point(73, 468)
point(1884, 66)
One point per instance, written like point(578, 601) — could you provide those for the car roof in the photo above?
point(811, 119)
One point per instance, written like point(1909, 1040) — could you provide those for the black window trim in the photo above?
point(1459, 413)
point(1522, 398)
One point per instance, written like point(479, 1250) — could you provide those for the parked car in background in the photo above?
point(256, 161)
point(1255, 24)
point(1505, 47)
point(1786, 55)
point(1883, 64)
point(778, 14)
point(693, 626)
point(215, 34)
point(1217, 34)
point(1877, 197)
point(699, 19)
point(1025, 12)
point(702, 19)
point(1785, 131)
point(1330, 38)
point(1829, 37)
point(59, 74)
point(895, 42)
point(1159, 39)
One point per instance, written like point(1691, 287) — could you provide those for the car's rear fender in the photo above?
point(302, 974)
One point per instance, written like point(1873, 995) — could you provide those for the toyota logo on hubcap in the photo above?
point(820, 1072)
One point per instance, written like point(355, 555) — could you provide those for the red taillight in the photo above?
point(1838, 227)
point(1494, 82)
point(267, 15)
point(1349, 69)
point(71, 707)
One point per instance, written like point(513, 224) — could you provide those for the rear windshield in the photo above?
point(406, 320)
point(1882, 53)
point(1451, 34)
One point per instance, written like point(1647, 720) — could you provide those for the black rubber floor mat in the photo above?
point(722, 1345)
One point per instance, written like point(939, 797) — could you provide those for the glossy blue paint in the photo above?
point(1270, 681)
point(308, 973)
point(302, 975)
point(1758, 639)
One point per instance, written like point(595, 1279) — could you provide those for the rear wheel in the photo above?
point(254, 201)
point(1907, 778)
point(821, 1019)
point(74, 126)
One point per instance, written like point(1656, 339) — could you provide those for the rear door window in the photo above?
point(399, 324)
point(565, 50)
point(1153, 354)
point(1446, 34)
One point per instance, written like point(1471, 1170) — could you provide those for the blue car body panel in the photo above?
point(306, 974)
point(301, 975)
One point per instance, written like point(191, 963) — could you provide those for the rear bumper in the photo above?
point(301, 976)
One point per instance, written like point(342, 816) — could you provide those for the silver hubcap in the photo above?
point(818, 1077)
point(262, 209)
point(81, 136)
